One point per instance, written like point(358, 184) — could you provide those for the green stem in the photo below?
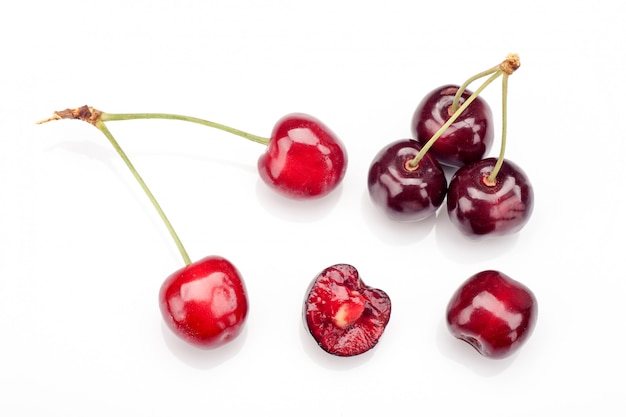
point(413, 164)
point(494, 174)
point(463, 87)
point(105, 117)
point(101, 126)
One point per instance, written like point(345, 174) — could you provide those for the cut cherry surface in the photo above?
point(345, 316)
point(467, 140)
point(478, 208)
point(205, 303)
point(403, 192)
point(304, 158)
point(493, 313)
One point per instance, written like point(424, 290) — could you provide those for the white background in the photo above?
point(83, 254)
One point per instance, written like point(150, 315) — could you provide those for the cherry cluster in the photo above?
point(453, 127)
point(206, 304)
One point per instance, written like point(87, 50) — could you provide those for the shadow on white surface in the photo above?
point(198, 358)
point(391, 231)
point(464, 354)
point(302, 211)
point(454, 244)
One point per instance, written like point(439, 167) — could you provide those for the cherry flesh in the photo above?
point(403, 192)
point(493, 313)
point(345, 316)
point(205, 303)
point(304, 158)
point(478, 208)
point(467, 140)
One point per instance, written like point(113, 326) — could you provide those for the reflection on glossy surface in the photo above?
point(481, 210)
point(467, 140)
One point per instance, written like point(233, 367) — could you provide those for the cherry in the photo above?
point(491, 197)
point(493, 313)
point(467, 140)
point(205, 302)
point(404, 192)
point(304, 158)
point(479, 207)
point(345, 316)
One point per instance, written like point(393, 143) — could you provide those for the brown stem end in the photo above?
point(510, 64)
point(85, 113)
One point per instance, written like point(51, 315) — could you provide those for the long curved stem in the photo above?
point(494, 174)
point(105, 117)
point(415, 161)
point(101, 126)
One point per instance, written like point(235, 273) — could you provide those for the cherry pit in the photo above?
point(205, 303)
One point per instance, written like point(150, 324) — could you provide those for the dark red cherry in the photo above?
point(493, 313)
point(467, 140)
point(478, 208)
point(205, 303)
point(403, 192)
point(345, 316)
point(304, 158)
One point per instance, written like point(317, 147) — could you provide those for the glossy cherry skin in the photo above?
point(205, 303)
point(478, 209)
point(493, 313)
point(467, 140)
point(304, 158)
point(345, 316)
point(406, 194)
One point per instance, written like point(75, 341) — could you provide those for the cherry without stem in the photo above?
point(492, 312)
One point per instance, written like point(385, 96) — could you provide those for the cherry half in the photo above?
point(466, 140)
point(404, 192)
point(345, 316)
point(480, 207)
point(304, 158)
point(493, 313)
point(205, 302)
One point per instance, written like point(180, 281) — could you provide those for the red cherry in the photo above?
point(467, 140)
point(205, 302)
point(479, 208)
point(304, 158)
point(493, 313)
point(403, 192)
point(345, 316)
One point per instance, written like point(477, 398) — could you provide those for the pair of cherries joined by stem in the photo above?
point(454, 127)
point(206, 303)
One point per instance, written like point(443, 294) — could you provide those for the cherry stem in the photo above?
point(105, 117)
point(101, 126)
point(463, 87)
point(413, 164)
point(94, 117)
point(491, 180)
